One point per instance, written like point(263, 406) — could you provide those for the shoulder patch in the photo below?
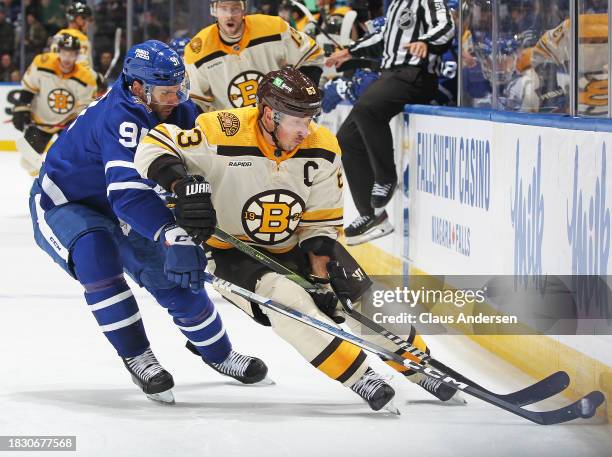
point(196, 45)
point(229, 122)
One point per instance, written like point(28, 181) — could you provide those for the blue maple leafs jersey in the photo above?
point(92, 161)
point(447, 77)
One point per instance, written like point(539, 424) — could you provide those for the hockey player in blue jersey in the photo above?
point(97, 218)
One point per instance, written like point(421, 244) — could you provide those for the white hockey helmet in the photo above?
point(214, 4)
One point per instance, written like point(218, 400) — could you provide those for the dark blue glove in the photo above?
point(334, 93)
point(362, 79)
point(185, 262)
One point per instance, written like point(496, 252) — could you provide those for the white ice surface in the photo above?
point(59, 376)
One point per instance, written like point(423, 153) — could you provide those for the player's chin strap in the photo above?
point(276, 119)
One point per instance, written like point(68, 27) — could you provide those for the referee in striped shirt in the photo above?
point(415, 35)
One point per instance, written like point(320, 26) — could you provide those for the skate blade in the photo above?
point(267, 381)
point(166, 397)
point(374, 233)
point(391, 408)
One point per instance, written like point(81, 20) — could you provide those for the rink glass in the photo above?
point(476, 29)
point(593, 58)
point(498, 66)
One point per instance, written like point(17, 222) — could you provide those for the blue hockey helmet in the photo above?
point(154, 63)
point(453, 4)
point(178, 44)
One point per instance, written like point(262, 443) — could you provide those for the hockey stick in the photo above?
point(545, 388)
point(116, 53)
point(585, 407)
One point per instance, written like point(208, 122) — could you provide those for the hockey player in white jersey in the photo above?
point(97, 218)
point(226, 60)
point(80, 18)
point(55, 88)
point(277, 184)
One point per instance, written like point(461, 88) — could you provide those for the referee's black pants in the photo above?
point(365, 136)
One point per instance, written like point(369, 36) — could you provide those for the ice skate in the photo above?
point(382, 194)
point(243, 368)
point(374, 389)
point(151, 377)
point(367, 228)
point(441, 391)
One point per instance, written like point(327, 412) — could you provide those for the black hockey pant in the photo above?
point(365, 136)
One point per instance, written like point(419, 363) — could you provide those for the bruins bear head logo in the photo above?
point(230, 124)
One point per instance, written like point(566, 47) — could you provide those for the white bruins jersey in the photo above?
point(57, 96)
point(230, 74)
point(85, 55)
point(554, 46)
point(269, 201)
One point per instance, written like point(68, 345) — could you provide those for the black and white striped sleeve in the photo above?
point(440, 26)
point(370, 45)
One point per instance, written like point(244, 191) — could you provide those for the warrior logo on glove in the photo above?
point(196, 188)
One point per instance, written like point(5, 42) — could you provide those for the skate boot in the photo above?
point(150, 376)
point(243, 368)
point(382, 194)
point(441, 391)
point(367, 228)
point(373, 388)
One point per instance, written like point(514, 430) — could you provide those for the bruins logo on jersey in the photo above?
point(272, 216)
point(230, 124)
point(60, 101)
point(196, 45)
point(242, 90)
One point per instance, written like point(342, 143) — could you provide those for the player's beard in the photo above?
point(163, 111)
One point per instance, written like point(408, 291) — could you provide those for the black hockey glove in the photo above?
point(326, 300)
point(338, 280)
point(22, 116)
point(193, 208)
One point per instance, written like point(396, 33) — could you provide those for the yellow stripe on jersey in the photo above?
point(83, 74)
point(238, 127)
point(50, 62)
point(150, 140)
point(219, 244)
point(339, 360)
point(320, 138)
point(47, 61)
point(322, 215)
point(161, 128)
point(30, 88)
point(258, 29)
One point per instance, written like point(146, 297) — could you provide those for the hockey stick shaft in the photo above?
point(585, 407)
point(281, 269)
point(116, 52)
point(541, 390)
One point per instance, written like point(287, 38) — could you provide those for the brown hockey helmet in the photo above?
point(289, 91)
